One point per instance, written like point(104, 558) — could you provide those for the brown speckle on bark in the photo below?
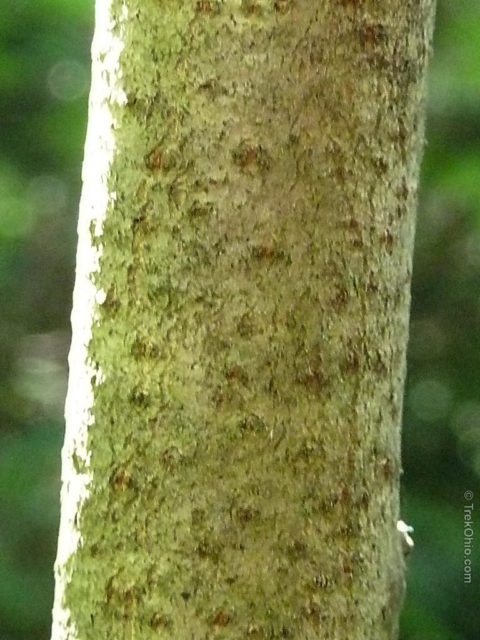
point(282, 6)
point(160, 621)
point(154, 160)
point(372, 34)
point(204, 6)
point(250, 235)
point(249, 155)
point(121, 480)
point(221, 618)
point(251, 7)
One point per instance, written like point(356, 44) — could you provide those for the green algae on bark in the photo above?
point(248, 315)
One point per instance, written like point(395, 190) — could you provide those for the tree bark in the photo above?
point(232, 455)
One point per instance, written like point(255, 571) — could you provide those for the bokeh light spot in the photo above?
point(48, 194)
point(430, 400)
point(68, 80)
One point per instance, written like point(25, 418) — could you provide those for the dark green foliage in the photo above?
point(44, 71)
point(44, 77)
point(442, 405)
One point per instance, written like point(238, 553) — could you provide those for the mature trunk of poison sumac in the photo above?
point(232, 455)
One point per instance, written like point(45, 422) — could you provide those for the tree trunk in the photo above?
point(232, 455)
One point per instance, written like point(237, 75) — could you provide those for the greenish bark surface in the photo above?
point(246, 349)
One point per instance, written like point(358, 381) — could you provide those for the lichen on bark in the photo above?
point(248, 339)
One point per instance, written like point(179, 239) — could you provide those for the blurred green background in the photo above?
point(44, 79)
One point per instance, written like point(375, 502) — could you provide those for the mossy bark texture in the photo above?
point(232, 459)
